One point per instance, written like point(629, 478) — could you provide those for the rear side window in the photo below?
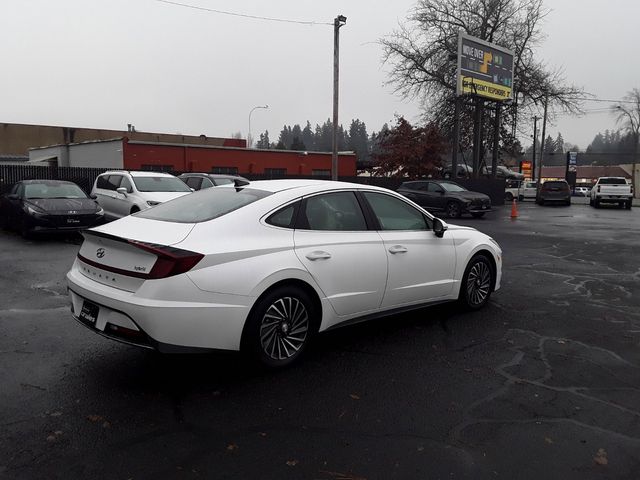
point(338, 211)
point(612, 181)
point(284, 217)
point(203, 205)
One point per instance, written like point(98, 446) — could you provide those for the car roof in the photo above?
point(306, 187)
point(138, 173)
point(47, 182)
point(213, 175)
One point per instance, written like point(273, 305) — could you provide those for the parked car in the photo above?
point(198, 181)
point(464, 170)
point(528, 190)
point(503, 172)
point(48, 206)
point(511, 189)
point(266, 267)
point(612, 190)
point(446, 196)
point(122, 193)
point(554, 191)
point(581, 192)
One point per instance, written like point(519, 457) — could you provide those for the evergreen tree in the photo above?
point(264, 142)
point(308, 137)
point(297, 145)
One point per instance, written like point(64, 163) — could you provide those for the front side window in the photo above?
point(452, 187)
point(160, 184)
point(112, 182)
point(203, 205)
point(193, 182)
point(339, 211)
point(394, 214)
point(125, 183)
point(434, 188)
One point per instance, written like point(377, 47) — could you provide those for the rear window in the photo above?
point(612, 181)
point(203, 205)
point(556, 184)
point(160, 184)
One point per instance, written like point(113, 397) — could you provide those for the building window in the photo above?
point(225, 170)
point(320, 173)
point(158, 168)
point(275, 172)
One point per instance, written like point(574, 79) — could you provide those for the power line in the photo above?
point(604, 100)
point(234, 14)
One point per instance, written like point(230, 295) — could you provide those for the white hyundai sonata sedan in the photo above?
point(264, 267)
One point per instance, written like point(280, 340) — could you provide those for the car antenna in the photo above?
point(239, 183)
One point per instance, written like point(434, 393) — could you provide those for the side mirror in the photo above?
point(439, 227)
point(93, 196)
point(122, 191)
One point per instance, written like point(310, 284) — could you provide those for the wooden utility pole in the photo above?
point(544, 130)
point(535, 139)
point(339, 21)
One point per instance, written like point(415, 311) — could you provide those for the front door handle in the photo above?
point(398, 249)
point(318, 255)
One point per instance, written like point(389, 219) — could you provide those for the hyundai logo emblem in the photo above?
point(100, 253)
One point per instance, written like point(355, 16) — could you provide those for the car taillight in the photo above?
point(598, 188)
point(171, 261)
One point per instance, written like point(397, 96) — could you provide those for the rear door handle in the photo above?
point(398, 249)
point(318, 255)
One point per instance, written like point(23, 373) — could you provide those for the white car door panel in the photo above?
point(349, 267)
point(421, 266)
point(348, 261)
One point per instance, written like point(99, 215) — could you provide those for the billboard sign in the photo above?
point(526, 168)
point(484, 69)
point(572, 161)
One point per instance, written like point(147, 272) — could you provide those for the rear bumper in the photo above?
point(207, 321)
point(614, 198)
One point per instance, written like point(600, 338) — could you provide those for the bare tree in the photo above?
point(628, 116)
point(422, 54)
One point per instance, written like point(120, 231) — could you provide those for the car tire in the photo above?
point(596, 203)
point(508, 197)
point(591, 202)
point(280, 326)
point(4, 222)
point(568, 203)
point(541, 202)
point(477, 283)
point(23, 228)
point(629, 204)
point(477, 214)
point(520, 198)
point(453, 210)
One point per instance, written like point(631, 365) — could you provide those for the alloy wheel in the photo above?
point(453, 210)
point(284, 328)
point(478, 283)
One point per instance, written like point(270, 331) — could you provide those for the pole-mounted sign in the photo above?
point(484, 69)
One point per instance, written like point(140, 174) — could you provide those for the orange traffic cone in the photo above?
point(514, 210)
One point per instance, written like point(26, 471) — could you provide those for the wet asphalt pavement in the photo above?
point(543, 383)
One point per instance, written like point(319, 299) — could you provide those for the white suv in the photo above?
point(121, 193)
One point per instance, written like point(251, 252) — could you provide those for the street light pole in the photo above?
point(249, 139)
point(339, 21)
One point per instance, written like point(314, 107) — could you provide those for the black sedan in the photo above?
point(446, 196)
point(48, 206)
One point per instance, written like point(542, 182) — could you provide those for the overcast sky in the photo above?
point(103, 64)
